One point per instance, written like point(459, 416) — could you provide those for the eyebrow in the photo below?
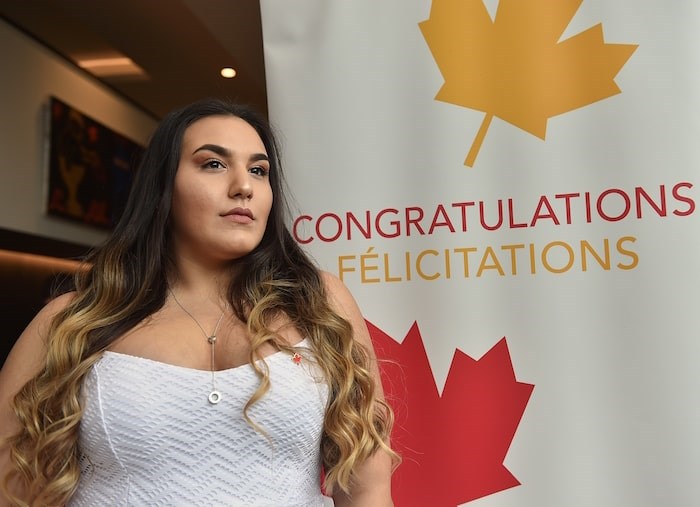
point(225, 152)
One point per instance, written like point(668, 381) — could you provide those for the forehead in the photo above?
point(227, 131)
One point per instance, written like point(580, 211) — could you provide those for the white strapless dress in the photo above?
point(150, 437)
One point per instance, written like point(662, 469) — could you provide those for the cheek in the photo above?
point(179, 205)
point(264, 210)
point(190, 195)
point(268, 207)
point(189, 205)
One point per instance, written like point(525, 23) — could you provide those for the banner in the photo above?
point(509, 189)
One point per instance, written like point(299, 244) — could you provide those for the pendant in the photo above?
point(214, 397)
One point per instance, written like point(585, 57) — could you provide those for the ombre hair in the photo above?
point(126, 280)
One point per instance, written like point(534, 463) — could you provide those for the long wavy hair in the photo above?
point(126, 280)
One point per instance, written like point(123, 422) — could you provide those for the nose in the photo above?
point(240, 186)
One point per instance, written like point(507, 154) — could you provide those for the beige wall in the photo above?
point(30, 75)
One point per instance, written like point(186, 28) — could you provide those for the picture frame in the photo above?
point(90, 167)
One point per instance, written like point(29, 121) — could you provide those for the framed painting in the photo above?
point(90, 167)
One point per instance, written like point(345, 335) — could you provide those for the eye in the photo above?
point(213, 164)
point(259, 170)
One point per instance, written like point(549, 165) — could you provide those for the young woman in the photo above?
point(202, 358)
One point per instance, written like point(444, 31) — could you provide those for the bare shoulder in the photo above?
point(339, 296)
point(54, 306)
point(35, 332)
point(344, 303)
point(27, 355)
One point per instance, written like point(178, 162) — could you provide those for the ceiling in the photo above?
point(179, 45)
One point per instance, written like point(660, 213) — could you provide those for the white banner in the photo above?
point(510, 191)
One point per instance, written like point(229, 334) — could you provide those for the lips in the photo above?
point(239, 215)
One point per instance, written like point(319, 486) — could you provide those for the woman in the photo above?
point(202, 359)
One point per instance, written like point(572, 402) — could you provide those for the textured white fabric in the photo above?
point(149, 436)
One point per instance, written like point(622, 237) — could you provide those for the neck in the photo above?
point(204, 283)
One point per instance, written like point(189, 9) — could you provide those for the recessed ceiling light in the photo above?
point(228, 72)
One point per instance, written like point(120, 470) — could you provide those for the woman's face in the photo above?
point(222, 195)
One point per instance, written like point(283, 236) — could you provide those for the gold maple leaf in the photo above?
point(515, 67)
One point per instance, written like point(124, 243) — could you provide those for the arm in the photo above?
point(24, 362)
point(372, 484)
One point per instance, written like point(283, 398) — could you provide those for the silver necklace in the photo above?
point(214, 396)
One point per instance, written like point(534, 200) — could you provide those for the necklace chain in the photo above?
point(214, 395)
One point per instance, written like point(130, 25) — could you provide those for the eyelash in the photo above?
point(209, 163)
point(264, 171)
point(258, 170)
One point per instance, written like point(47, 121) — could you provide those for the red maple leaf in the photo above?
point(453, 446)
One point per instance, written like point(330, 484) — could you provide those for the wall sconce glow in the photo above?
point(228, 72)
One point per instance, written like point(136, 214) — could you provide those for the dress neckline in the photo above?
point(303, 344)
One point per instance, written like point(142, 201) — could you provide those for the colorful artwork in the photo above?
point(90, 168)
